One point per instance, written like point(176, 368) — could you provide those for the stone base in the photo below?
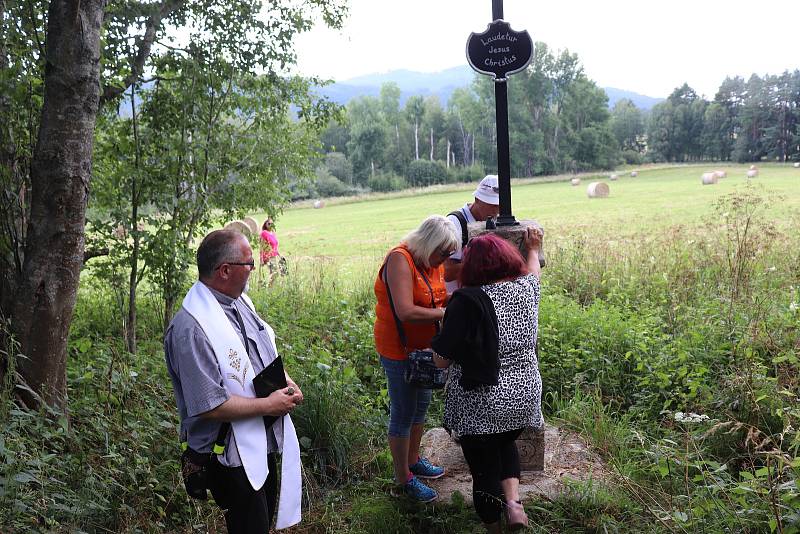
point(530, 445)
point(513, 234)
point(564, 456)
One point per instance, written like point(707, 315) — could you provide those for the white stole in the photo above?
point(237, 374)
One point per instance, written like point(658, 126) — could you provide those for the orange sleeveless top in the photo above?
point(418, 335)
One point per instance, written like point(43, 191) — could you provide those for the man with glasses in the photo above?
point(214, 346)
point(486, 205)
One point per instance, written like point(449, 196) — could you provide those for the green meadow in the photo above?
point(355, 233)
point(669, 340)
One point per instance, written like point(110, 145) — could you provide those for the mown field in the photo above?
point(669, 340)
point(357, 233)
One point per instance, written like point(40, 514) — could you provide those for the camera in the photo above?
point(422, 371)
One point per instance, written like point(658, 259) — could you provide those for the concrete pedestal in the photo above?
point(531, 450)
point(513, 234)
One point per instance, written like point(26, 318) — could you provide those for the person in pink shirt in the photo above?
point(269, 249)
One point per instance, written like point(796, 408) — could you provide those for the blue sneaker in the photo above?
point(419, 491)
point(424, 469)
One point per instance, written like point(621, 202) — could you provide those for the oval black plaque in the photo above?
point(499, 51)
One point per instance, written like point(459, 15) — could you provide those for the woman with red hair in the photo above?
point(495, 390)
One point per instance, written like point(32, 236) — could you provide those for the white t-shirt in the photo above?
point(453, 285)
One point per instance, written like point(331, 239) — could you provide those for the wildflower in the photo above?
point(793, 307)
point(690, 417)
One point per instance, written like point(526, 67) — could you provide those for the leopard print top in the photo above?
point(516, 401)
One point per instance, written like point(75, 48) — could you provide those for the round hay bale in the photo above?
point(613, 177)
point(709, 178)
point(752, 173)
point(721, 174)
point(251, 224)
point(575, 181)
point(753, 168)
point(238, 226)
point(319, 204)
point(598, 190)
point(634, 174)
point(797, 165)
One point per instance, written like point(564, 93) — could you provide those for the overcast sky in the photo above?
point(649, 47)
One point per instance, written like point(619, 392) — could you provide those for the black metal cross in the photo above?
point(500, 52)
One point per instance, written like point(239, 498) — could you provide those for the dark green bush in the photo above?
point(632, 157)
point(471, 174)
point(327, 185)
point(339, 166)
point(386, 181)
point(423, 173)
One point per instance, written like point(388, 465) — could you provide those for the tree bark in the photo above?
point(133, 280)
point(60, 176)
point(416, 140)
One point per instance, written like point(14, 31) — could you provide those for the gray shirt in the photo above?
point(453, 285)
point(197, 380)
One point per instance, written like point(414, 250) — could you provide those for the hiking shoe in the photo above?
point(424, 469)
point(419, 491)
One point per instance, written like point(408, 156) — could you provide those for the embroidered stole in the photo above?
point(237, 373)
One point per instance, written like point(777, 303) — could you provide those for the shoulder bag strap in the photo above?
point(463, 220)
point(400, 331)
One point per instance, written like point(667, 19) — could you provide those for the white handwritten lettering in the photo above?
point(489, 62)
point(493, 50)
point(499, 37)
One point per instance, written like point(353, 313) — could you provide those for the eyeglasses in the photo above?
point(251, 264)
point(446, 253)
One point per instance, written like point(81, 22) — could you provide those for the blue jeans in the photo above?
point(408, 404)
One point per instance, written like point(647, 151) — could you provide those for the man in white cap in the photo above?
point(486, 205)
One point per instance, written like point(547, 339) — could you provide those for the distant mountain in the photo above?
point(641, 101)
point(409, 80)
point(441, 84)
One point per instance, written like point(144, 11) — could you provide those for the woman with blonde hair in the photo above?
point(411, 293)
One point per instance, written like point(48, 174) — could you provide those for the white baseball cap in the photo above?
point(488, 190)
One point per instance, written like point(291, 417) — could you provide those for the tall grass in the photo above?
point(674, 353)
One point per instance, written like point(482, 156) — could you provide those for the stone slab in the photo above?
point(566, 456)
point(513, 234)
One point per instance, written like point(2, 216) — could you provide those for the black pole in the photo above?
point(497, 9)
point(503, 154)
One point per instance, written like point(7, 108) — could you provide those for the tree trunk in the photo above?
point(473, 150)
point(448, 154)
point(431, 144)
point(60, 176)
point(416, 140)
point(133, 281)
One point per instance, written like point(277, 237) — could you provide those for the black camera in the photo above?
point(422, 371)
